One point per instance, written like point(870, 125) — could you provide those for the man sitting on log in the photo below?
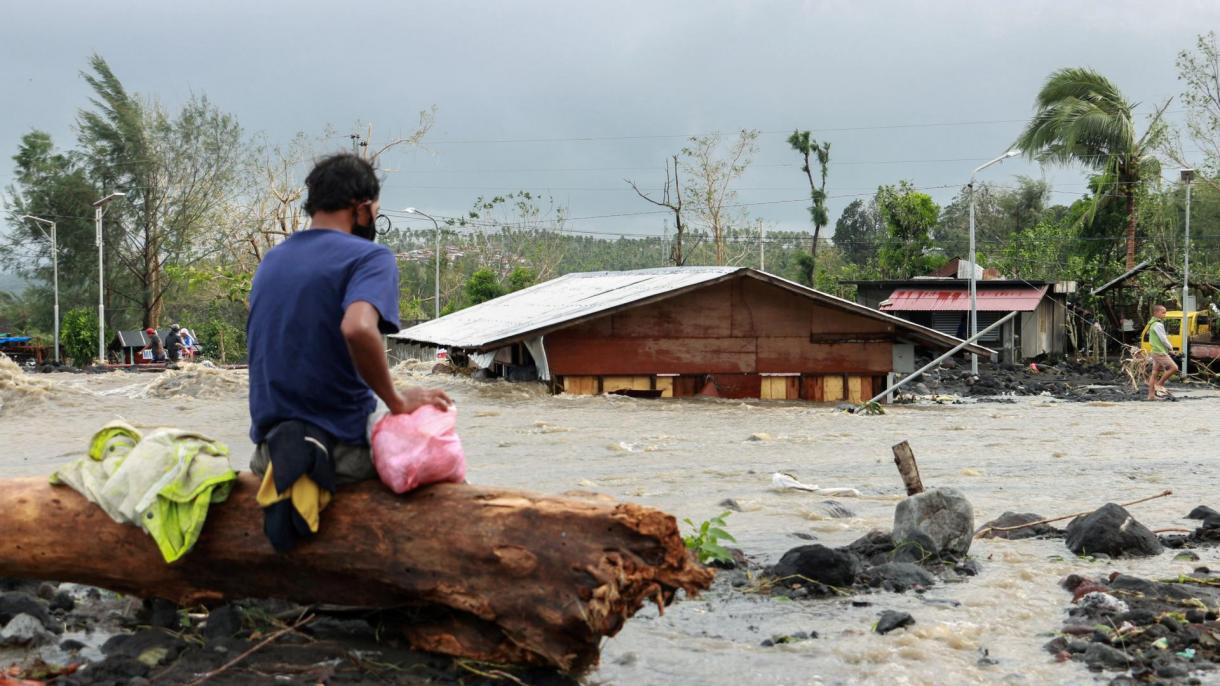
point(320, 302)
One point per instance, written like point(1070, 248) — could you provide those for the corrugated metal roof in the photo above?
point(958, 300)
point(573, 297)
point(545, 305)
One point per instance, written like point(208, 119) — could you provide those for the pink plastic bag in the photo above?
point(412, 450)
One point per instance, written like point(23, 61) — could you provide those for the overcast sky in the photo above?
point(568, 98)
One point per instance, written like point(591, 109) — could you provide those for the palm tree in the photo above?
point(1081, 117)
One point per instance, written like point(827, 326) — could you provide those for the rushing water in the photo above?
point(1034, 455)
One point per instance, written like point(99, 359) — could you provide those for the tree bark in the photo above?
point(501, 576)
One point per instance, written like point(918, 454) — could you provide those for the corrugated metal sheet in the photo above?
point(574, 297)
point(554, 302)
point(941, 300)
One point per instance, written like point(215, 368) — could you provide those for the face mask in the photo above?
point(365, 231)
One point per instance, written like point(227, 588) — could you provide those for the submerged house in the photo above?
point(941, 301)
point(673, 332)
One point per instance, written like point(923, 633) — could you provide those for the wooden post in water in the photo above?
point(904, 457)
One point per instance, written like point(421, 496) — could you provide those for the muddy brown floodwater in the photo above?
point(1033, 455)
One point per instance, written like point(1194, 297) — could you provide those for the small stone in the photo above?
point(46, 591)
point(898, 577)
point(1171, 624)
point(1196, 616)
point(969, 567)
point(1099, 656)
point(159, 612)
point(63, 601)
point(224, 621)
point(767, 643)
point(1010, 519)
point(71, 645)
point(1186, 556)
point(760, 437)
point(730, 504)
point(891, 620)
point(24, 630)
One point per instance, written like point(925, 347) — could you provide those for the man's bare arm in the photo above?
point(359, 329)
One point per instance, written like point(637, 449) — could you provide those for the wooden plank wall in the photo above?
point(735, 331)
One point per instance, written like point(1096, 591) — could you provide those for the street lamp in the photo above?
point(1188, 175)
point(974, 305)
point(98, 210)
point(55, 267)
point(437, 292)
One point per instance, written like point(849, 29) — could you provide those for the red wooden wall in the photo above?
point(743, 326)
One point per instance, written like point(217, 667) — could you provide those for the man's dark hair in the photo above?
point(339, 181)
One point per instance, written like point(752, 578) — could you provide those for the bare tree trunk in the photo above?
point(494, 575)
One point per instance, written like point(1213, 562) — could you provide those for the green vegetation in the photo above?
point(705, 539)
point(78, 335)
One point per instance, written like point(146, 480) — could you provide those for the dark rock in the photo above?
point(836, 510)
point(46, 591)
point(1056, 645)
point(1171, 624)
point(1202, 512)
point(1186, 556)
point(1111, 530)
point(1137, 617)
point(1170, 670)
point(898, 577)
point(71, 645)
point(818, 563)
point(17, 603)
point(969, 567)
point(730, 504)
point(861, 603)
point(874, 548)
point(803, 536)
point(891, 620)
point(1009, 519)
point(1196, 616)
point(160, 612)
point(224, 621)
point(918, 547)
point(149, 646)
point(943, 514)
point(118, 669)
point(63, 601)
point(1099, 656)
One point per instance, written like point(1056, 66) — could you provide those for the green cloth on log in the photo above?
point(162, 482)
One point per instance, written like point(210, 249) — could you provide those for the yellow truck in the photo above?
point(1204, 345)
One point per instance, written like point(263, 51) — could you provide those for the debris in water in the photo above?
point(197, 381)
point(781, 481)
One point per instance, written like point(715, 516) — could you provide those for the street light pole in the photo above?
point(974, 305)
point(98, 211)
point(55, 268)
point(1188, 175)
point(436, 299)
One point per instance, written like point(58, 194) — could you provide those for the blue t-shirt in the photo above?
point(300, 367)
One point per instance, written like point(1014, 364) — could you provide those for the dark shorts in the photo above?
point(353, 463)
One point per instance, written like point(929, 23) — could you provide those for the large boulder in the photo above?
point(1112, 531)
point(943, 515)
point(24, 630)
point(819, 563)
point(898, 577)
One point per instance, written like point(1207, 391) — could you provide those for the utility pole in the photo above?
point(436, 304)
point(974, 304)
point(762, 246)
point(98, 211)
point(1188, 175)
point(55, 268)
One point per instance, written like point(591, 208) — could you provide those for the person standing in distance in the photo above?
point(319, 304)
point(1163, 365)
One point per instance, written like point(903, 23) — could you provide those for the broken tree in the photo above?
point(502, 576)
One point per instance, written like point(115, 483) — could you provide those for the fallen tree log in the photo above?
point(502, 576)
